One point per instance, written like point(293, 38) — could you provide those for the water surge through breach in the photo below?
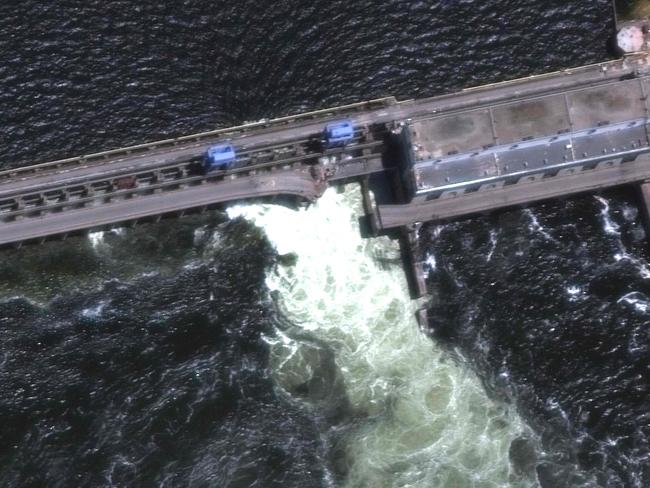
point(406, 415)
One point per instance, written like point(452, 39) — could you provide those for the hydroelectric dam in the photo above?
point(482, 149)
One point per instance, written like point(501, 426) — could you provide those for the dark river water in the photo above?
point(269, 347)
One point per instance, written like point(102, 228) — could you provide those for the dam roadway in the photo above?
point(484, 131)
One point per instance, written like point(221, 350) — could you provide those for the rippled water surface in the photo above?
point(551, 305)
point(274, 347)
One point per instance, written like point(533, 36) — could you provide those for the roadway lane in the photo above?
point(297, 183)
point(391, 216)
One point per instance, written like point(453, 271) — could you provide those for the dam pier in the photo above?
point(479, 150)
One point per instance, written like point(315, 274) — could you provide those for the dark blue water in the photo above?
point(552, 306)
point(148, 365)
point(153, 382)
point(82, 76)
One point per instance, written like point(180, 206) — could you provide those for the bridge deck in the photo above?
point(295, 183)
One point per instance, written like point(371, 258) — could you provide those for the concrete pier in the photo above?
point(409, 245)
point(444, 209)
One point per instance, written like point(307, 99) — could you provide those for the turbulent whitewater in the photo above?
point(410, 409)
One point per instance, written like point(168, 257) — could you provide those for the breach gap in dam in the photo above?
point(482, 149)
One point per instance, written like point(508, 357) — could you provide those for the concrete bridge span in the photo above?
point(131, 210)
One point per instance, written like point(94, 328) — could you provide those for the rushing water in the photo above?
point(275, 347)
point(409, 411)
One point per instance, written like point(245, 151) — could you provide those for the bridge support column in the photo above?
point(423, 318)
point(20, 205)
point(157, 178)
point(368, 207)
point(415, 275)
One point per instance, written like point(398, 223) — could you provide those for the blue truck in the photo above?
point(221, 156)
point(337, 134)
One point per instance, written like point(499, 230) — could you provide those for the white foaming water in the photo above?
point(494, 238)
point(609, 225)
point(637, 300)
point(575, 292)
point(535, 226)
point(96, 238)
point(425, 421)
point(431, 262)
point(613, 228)
point(94, 312)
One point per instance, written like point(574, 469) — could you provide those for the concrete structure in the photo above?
point(525, 140)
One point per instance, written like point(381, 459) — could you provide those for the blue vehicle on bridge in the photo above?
point(221, 156)
point(337, 134)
